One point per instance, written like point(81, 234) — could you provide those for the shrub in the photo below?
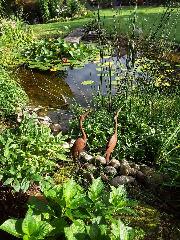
point(29, 154)
point(44, 9)
point(51, 9)
point(12, 96)
point(73, 6)
point(68, 212)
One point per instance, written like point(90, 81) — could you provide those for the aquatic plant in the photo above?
point(57, 54)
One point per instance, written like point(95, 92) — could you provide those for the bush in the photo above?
point(51, 9)
point(44, 9)
point(14, 36)
point(12, 96)
point(29, 154)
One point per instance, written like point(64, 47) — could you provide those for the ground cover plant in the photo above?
point(69, 212)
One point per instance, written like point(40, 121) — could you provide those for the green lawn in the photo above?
point(148, 19)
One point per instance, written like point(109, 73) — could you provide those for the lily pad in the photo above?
point(87, 82)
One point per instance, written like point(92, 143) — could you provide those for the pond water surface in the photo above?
point(57, 89)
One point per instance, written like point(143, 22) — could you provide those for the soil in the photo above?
point(12, 205)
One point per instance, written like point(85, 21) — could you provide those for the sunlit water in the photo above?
point(55, 91)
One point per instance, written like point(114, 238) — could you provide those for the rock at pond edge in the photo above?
point(121, 180)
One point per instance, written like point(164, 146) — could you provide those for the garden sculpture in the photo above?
point(80, 142)
point(113, 140)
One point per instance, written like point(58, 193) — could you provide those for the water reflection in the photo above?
point(52, 90)
point(44, 88)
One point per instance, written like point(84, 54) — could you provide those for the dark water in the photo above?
point(44, 88)
point(56, 89)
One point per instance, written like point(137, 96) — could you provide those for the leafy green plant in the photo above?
point(169, 157)
point(12, 96)
point(14, 36)
point(29, 154)
point(56, 54)
point(69, 212)
point(72, 9)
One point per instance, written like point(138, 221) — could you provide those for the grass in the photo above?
point(148, 18)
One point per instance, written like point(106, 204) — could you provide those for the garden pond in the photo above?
point(54, 91)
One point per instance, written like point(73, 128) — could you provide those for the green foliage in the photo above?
point(12, 96)
point(44, 8)
point(71, 213)
point(148, 98)
point(73, 7)
point(55, 9)
point(14, 36)
point(169, 157)
point(18, 47)
point(29, 154)
point(56, 54)
point(54, 6)
point(1, 8)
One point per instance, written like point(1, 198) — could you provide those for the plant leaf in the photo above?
point(95, 189)
point(13, 227)
point(29, 225)
point(76, 231)
point(87, 82)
